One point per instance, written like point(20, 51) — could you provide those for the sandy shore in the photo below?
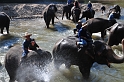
point(16, 10)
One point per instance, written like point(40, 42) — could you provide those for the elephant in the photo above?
point(75, 14)
point(67, 11)
point(117, 11)
point(89, 13)
point(14, 61)
point(116, 34)
point(122, 45)
point(95, 25)
point(66, 52)
point(49, 13)
point(4, 22)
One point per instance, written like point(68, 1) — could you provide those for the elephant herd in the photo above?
point(65, 50)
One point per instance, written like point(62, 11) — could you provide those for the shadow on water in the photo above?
point(60, 27)
point(7, 41)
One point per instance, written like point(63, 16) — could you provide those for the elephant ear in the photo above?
point(99, 47)
point(114, 28)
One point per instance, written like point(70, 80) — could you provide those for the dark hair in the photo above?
point(33, 40)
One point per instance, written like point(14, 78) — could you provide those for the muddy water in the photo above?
point(46, 38)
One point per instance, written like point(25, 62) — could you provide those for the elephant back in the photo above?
point(38, 57)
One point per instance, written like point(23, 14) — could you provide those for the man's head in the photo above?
point(27, 35)
point(84, 25)
point(79, 22)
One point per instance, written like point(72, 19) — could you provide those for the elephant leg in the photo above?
point(48, 22)
point(63, 15)
point(7, 29)
point(66, 15)
point(85, 71)
point(2, 28)
point(11, 80)
point(45, 18)
point(86, 18)
point(103, 33)
point(68, 65)
point(69, 15)
point(57, 64)
point(52, 20)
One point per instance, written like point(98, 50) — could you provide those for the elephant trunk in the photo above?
point(116, 58)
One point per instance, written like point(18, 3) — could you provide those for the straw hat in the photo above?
point(27, 34)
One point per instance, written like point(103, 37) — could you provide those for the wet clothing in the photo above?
point(89, 5)
point(33, 47)
point(69, 2)
point(78, 27)
point(111, 16)
point(84, 33)
point(25, 47)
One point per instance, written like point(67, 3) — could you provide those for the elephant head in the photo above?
point(117, 11)
point(49, 14)
point(75, 14)
point(67, 11)
point(66, 52)
point(13, 64)
point(4, 21)
point(89, 13)
point(116, 34)
point(95, 25)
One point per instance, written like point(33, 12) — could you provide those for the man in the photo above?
point(84, 36)
point(85, 40)
point(89, 5)
point(78, 27)
point(33, 45)
point(103, 9)
point(26, 44)
point(111, 16)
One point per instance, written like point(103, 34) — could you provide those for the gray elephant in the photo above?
point(49, 13)
point(89, 13)
point(39, 58)
point(95, 25)
point(75, 14)
point(4, 21)
point(67, 10)
point(116, 34)
point(66, 52)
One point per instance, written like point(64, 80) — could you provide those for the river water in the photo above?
point(46, 38)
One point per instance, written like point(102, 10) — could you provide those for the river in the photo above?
point(46, 38)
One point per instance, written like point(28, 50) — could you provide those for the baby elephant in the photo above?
point(4, 22)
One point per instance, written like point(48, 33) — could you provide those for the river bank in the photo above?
point(30, 10)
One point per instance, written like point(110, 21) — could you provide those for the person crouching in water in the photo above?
point(33, 45)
